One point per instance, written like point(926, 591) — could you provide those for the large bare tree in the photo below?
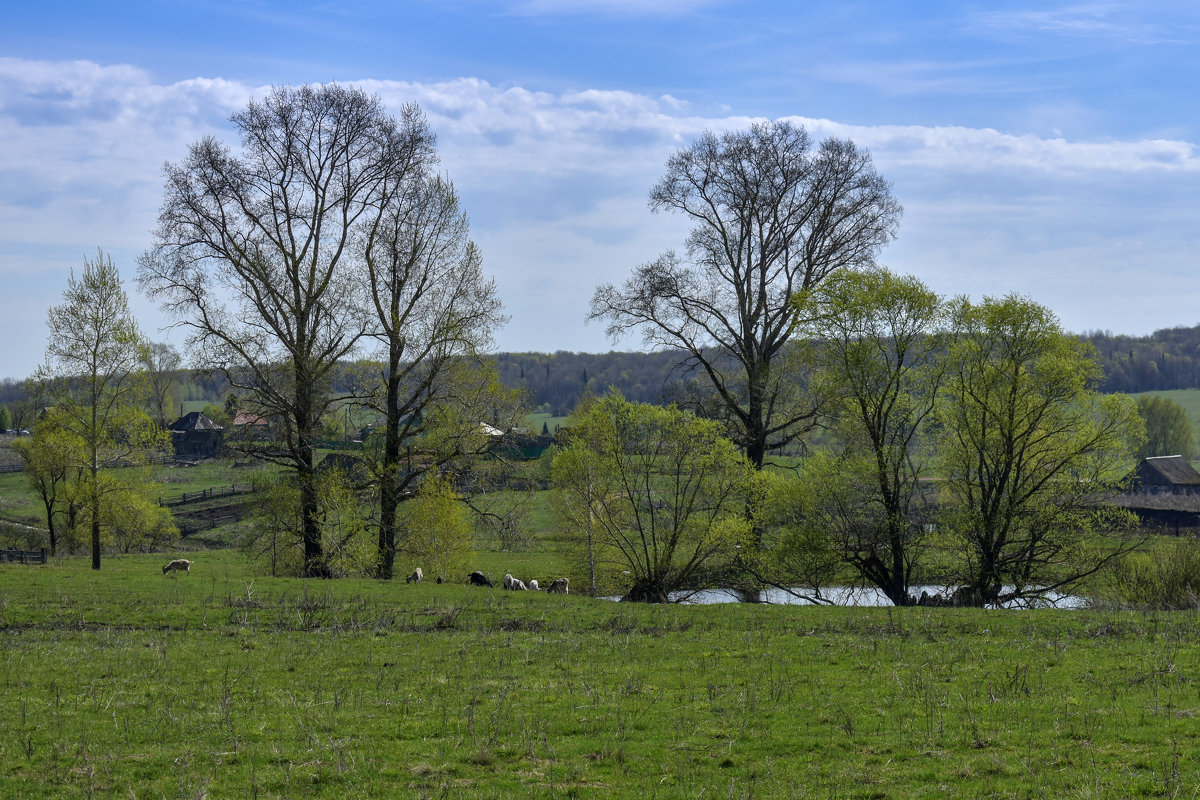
point(254, 253)
point(434, 313)
point(773, 215)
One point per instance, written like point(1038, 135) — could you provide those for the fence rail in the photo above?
point(24, 556)
point(209, 494)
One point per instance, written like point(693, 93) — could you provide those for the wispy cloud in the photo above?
point(1120, 21)
point(607, 8)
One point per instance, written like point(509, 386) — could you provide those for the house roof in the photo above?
point(248, 418)
point(195, 421)
point(1175, 470)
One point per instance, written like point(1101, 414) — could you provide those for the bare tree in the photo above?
point(254, 254)
point(161, 363)
point(434, 314)
point(773, 216)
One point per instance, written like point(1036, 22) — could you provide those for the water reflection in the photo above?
point(854, 596)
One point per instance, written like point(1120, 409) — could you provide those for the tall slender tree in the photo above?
point(434, 314)
point(92, 378)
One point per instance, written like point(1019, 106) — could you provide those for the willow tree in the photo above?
point(882, 354)
point(254, 255)
point(773, 215)
point(1028, 447)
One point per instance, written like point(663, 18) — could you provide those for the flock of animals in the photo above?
point(477, 578)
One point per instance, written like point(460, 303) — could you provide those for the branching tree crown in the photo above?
point(1027, 447)
point(92, 378)
point(773, 215)
point(255, 255)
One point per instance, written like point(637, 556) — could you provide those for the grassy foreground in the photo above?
point(222, 684)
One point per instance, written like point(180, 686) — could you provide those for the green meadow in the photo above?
point(126, 683)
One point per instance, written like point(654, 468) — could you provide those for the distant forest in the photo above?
point(1166, 359)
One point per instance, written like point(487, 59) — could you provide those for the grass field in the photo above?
point(218, 684)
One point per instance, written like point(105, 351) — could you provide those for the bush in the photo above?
point(1165, 577)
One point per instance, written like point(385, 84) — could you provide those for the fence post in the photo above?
point(43, 555)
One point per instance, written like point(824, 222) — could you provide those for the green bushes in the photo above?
point(1163, 577)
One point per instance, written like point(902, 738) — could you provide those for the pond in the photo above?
point(857, 596)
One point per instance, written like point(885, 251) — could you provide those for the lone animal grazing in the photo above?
point(178, 565)
point(415, 577)
point(558, 586)
point(533, 587)
point(479, 579)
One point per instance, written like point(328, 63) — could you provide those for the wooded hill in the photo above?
point(1166, 359)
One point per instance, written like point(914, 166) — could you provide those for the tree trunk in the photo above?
point(389, 496)
point(314, 562)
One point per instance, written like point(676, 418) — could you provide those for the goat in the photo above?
point(533, 587)
point(558, 586)
point(178, 565)
point(477, 578)
point(416, 576)
point(514, 584)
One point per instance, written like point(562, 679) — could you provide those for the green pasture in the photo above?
point(127, 683)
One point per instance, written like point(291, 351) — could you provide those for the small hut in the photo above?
point(196, 436)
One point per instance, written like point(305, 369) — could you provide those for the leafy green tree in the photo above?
point(653, 492)
point(272, 540)
point(1168, 429)
point(53, 459)
point(882, 357)
point(5, 418)
point(437, 530)
point(1027, 445)
point(92, 377)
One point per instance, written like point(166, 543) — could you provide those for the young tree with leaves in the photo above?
point(1168, 429)
point(161, 363)
point(92, 378)
point(1027, 447)
point(658, 494)
point(882, 356)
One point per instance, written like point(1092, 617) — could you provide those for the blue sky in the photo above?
point(1048, 149)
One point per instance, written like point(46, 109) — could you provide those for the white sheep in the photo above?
point(533, 587)
point(558, 586)
point(179, 564)
point(416, 576)
point(514, 584)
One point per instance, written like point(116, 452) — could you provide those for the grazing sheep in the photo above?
point(514, 584)
point(533, 587)
point(179, 564)
point(558, 586)
point(415, 577)
point(479, 579)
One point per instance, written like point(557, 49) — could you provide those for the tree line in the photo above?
point(324, 263)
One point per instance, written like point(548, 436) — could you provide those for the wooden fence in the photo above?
point(208, 494)
point(24, 556)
